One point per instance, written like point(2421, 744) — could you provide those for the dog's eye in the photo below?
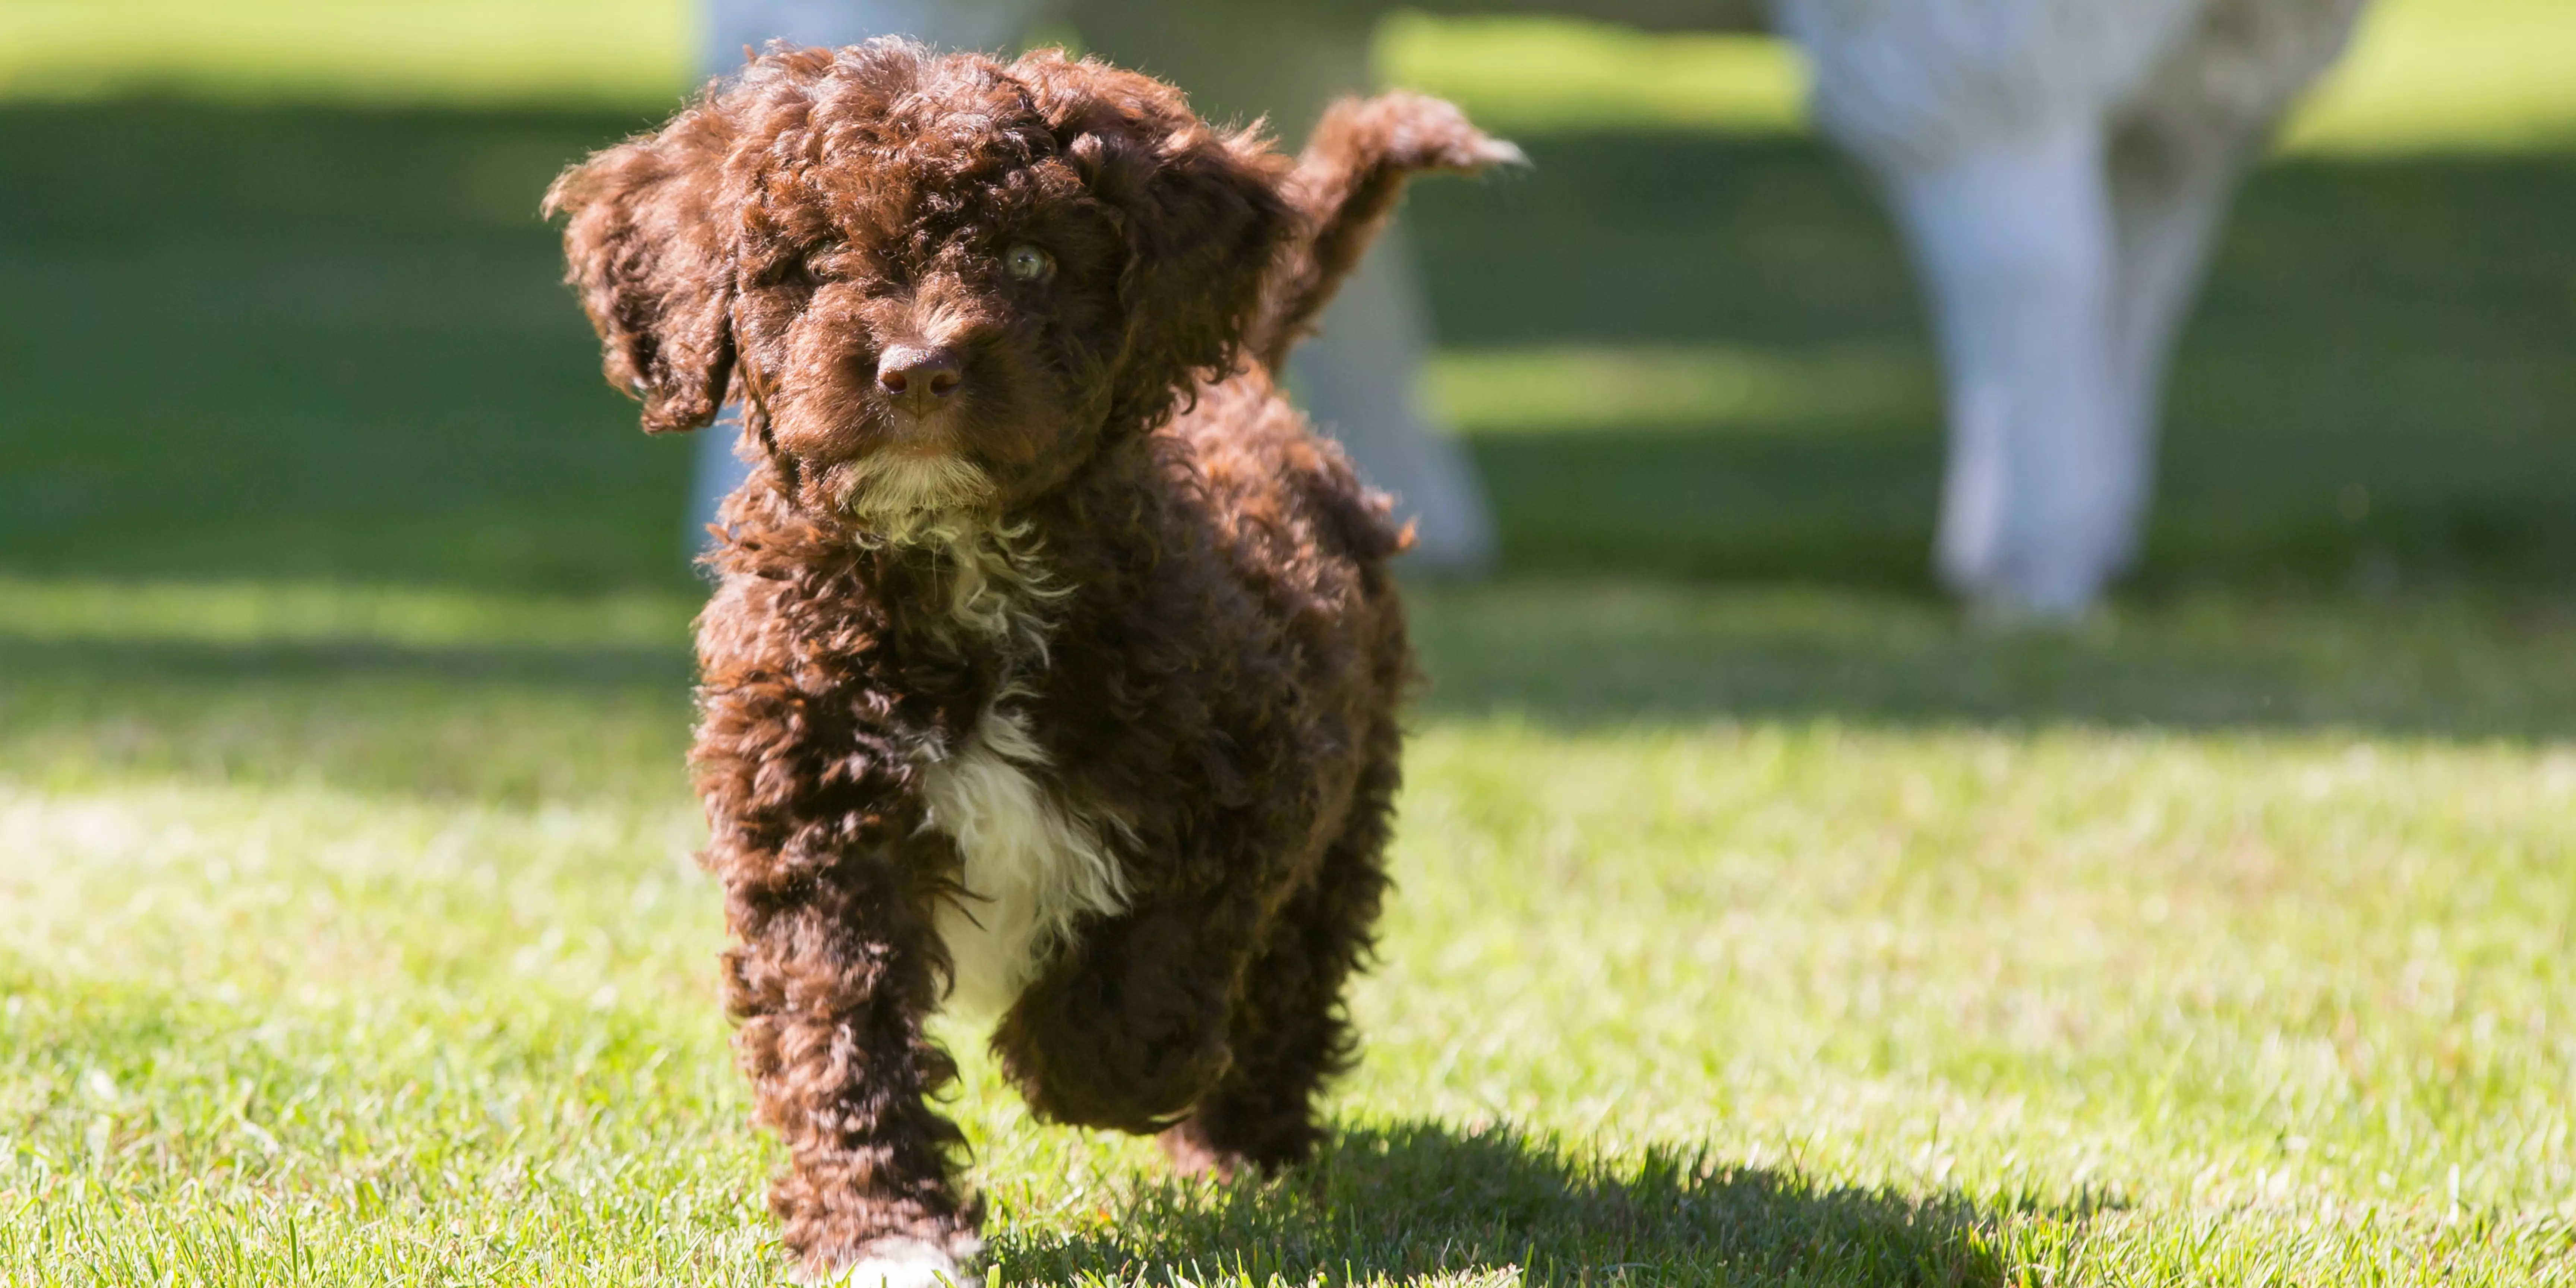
point(1028, 263)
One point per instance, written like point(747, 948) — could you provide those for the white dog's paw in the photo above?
point(901, 1263)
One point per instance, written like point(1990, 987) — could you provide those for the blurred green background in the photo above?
point(281, 307)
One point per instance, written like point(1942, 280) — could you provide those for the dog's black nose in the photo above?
point(919, 378)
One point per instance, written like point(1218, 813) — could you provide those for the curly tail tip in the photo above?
point(1413, 132)
point(1347, 183)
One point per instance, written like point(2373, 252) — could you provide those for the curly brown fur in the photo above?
point(1053, 652)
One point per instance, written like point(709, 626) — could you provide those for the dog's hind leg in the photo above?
point(1289, 1032)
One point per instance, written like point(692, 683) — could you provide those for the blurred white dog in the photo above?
point(2060, 169)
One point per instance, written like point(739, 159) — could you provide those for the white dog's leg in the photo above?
point(2014, 240)
point(2168, 202)
point(2175, 158)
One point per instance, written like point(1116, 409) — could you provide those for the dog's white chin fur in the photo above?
point(900, 1263)
point(900, 498)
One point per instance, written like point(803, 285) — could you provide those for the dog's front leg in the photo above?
point(1127, 1028)
point(832, 977)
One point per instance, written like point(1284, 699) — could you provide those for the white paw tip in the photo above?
point(902, 1263)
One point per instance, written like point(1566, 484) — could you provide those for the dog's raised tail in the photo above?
point(1346, 183)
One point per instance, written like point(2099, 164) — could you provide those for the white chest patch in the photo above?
point(1032, 870)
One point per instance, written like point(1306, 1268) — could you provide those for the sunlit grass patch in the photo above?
point(408, 693)
point(2428, 74)
point(1763, 932)
point(1543, 75)
point(257, 1035)
point(351, 51)
point(1768, 937)
point(271, 614)
point(2425, 76)
point(1710, 389)
point(2450, 75)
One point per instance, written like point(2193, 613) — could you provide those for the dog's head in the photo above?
point(945, 279)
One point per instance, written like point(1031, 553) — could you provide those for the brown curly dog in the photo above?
point(1055, 667)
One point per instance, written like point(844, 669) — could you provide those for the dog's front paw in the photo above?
point(897, 1263)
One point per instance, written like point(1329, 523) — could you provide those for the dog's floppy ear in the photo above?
point(649, 246)
point(1203, 212)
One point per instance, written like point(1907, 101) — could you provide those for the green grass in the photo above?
point(2429, 75)
point(1798, 937)
point(353, 316)
point(2424, 76)
point(2376, 389)
point(1523, 75)
point(624, 52)
point(1760, 923)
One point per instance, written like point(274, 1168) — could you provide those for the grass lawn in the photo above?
point(1793, 937)
point(1760, 921)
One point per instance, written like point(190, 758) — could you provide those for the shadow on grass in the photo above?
point(1588, 656)
point(105, 665)
point(525, 716)
point(1427, 1199)
point(510, 725)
